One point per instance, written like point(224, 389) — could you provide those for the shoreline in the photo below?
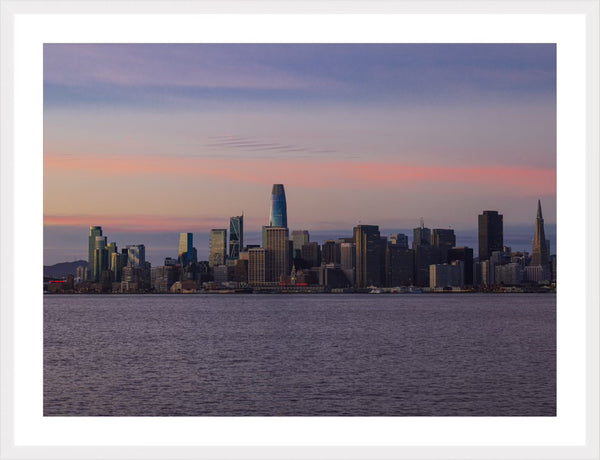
point(284, 292)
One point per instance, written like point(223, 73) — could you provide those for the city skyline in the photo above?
point(520, 238)
point(366, 260)
point(163, 139)
point(490, 238)
point(163, 245)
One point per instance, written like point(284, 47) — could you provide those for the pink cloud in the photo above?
point(315, 174)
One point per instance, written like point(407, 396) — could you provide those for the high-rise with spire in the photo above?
point(278, 214)
point(540, 254)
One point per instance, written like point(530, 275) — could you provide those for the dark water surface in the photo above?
point(300, 355)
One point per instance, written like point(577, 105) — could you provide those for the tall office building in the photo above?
point(444, 239)
point(465, 255)
point(264, 236)
point(490, 234)
point(186, 245)
point(278, 214)
point(236, 236)
point(100, 258)
point(331, 252)
point(111, 248)
point(425, 255)
point(421, 236)
point(136, 256)
point(116, 265)
point(186, 249)
point(278, 261)
point(100, 263)
point(399, 265)
point(299, 238)
point(348, 260)
point(94, 232)
point(399, 239)
point(257, 265)
point(369, 256)
point(218, 247)
point(540, 254)
point(311, 254)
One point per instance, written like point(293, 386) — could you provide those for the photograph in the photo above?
point(300, 230)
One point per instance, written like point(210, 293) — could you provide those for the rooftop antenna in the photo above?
point(422, 222)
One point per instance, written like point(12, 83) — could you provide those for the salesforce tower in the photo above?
point(278, 216)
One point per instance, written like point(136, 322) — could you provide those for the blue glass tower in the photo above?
point(236, 236)
point(278, 216)
point(186, 248)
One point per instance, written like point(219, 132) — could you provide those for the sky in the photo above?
point(149, 140)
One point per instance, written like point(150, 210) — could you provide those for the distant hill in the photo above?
point(63, 269)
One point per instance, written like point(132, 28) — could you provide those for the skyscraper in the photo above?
point(421, 235)
point(94, 232)
point(218, 247)
point(111, 248)
point(136, 255)
point(540, 254)
point(425, 255)
point(369, 256)
point(186, 248)
point(465, 255)
point(300, 238)
point(236, 236)
point(331, 252)
point(311, 254)
point(491, 237)
point(443, 239)
point(277, 254)
point(100, 258)
point(278, 214)
point(348, 260)
point(256, 265)
point(116, 265)
point(399, 265)
point(399, 239)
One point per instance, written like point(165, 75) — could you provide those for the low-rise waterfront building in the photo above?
point(509, 274)
point(220, 274)
point(163, 278)
point(446, 275)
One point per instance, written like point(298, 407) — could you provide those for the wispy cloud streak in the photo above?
point(256, 145)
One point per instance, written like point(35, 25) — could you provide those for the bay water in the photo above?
point(300, 355)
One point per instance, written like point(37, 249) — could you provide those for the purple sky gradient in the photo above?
point(175, 138)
